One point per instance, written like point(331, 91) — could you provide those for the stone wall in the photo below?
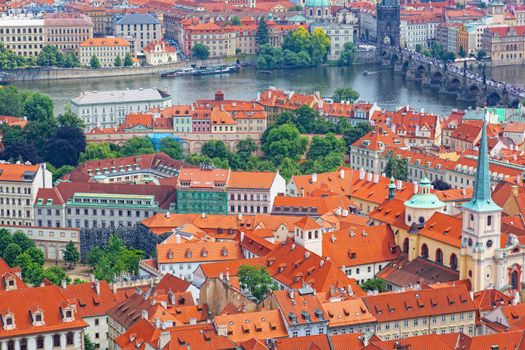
point(47, 73)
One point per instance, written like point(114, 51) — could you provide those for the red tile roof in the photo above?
point(89, 299)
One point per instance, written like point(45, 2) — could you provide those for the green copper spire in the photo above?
point(481, 199)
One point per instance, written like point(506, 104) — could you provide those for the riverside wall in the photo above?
point(49, 73)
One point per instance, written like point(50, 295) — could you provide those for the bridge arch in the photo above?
point(436, 78)
point(420, 70)
point(474, 90)
point(453, 85)
point(493, 98)
point(514, 103)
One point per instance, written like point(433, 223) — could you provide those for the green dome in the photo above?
point(317, 3)
point(424, 199)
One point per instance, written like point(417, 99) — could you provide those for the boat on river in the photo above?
point(202, 71)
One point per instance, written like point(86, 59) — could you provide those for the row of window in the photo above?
point(57, 342)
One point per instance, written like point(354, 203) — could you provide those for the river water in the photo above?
point(380, 85)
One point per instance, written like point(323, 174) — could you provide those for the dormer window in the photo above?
point(38, 317)
point(170, 254)
point(9, 321)
point(67, 314)
point(224, 252)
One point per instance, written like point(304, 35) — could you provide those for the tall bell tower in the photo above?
point(481, 230)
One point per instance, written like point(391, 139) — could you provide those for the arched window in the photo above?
point(405, 246)
point(23, 344)
point(453, 261)
point(40, 342)
point(11, 345)
point(439, 256)
point(514, 279)
point(424, 251)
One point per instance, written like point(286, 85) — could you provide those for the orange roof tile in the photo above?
point(259, 325)
point(172, 253)
point(251, 179)
point(104, 42)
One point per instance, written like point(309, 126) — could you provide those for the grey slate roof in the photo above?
point(138, 18)
point(115, 96)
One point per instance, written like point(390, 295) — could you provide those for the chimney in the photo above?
point(167, 214)
point(63, 283)
point(193, 320)
point(239, 217)
point(157, 322)
point(369, 177)
point(144, 314)
point(376, 178)
point(291, 293)
point(164, 339)
point(177, 238)
point(362, 174)
point(399, 185)
point(203, 215)
point(222, 330)
point(345, 213)
point(342, 173)
point(314, 178)
point(171, 297)
point(416, 187)
point(242, 236)
point(338, 211)
point(227, 274)
point(97, 286)
point(515, 190)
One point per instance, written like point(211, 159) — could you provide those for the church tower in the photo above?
point(481, 228)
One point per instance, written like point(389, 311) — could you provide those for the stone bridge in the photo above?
point(449, 79)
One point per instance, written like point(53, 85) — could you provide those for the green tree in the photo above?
point(374, 284)
point(320, 44)
point(70, 119)
point(396, 167)
point(441, 185)
point(10, 60)
point(94, 256)
point(353, 133)
point(118, 61)
point(320, 147)
point(71, 60)
point(97, 151)
point(269, 57)
point(55, 274)
point(88, 343)
point(171, 147)
point(23, 241)
point(235, 21)
point(136, 146)
point(462, 53)
point(284, 141)
point(256, 280)
point(94, 62)
point(289, 168)
point(5, 239)
point(65, 146)
point(50, 56)
point(347, 56)
point(128, 60)
point(10, 253)
point(245, 149)
point(11, 101)
point(481, 54)
point(59, 172)
point(38, 107)
point(200, 52)
point(345, 94)
point(215, 149)
point(71, 254)
point(262, 36)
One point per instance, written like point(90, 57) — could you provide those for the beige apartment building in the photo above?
point(220, 41)
point(106, 50)
point(67, 31)
point(24, 35)
point(139, 29)
point(425, 311)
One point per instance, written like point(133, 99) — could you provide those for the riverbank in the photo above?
point(53, 73)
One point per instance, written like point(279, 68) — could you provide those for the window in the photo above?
point(23, 344)
point(40, 342)
point(70, 338)
point(56, 340)
point(489, 220)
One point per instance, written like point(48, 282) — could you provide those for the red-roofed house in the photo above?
point(160, 52)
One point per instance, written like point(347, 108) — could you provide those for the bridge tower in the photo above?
point(388, 23)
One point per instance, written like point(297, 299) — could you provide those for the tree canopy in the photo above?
point(200, 51)
point(345, 94)
point(347, 56)
point(256, 280)
point(262, 36)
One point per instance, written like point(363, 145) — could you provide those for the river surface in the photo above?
point(381, 86)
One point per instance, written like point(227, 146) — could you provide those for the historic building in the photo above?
point(105, 49)
point(19, 184)
point(342, 29)
point(139, 29)
point(388, 23)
